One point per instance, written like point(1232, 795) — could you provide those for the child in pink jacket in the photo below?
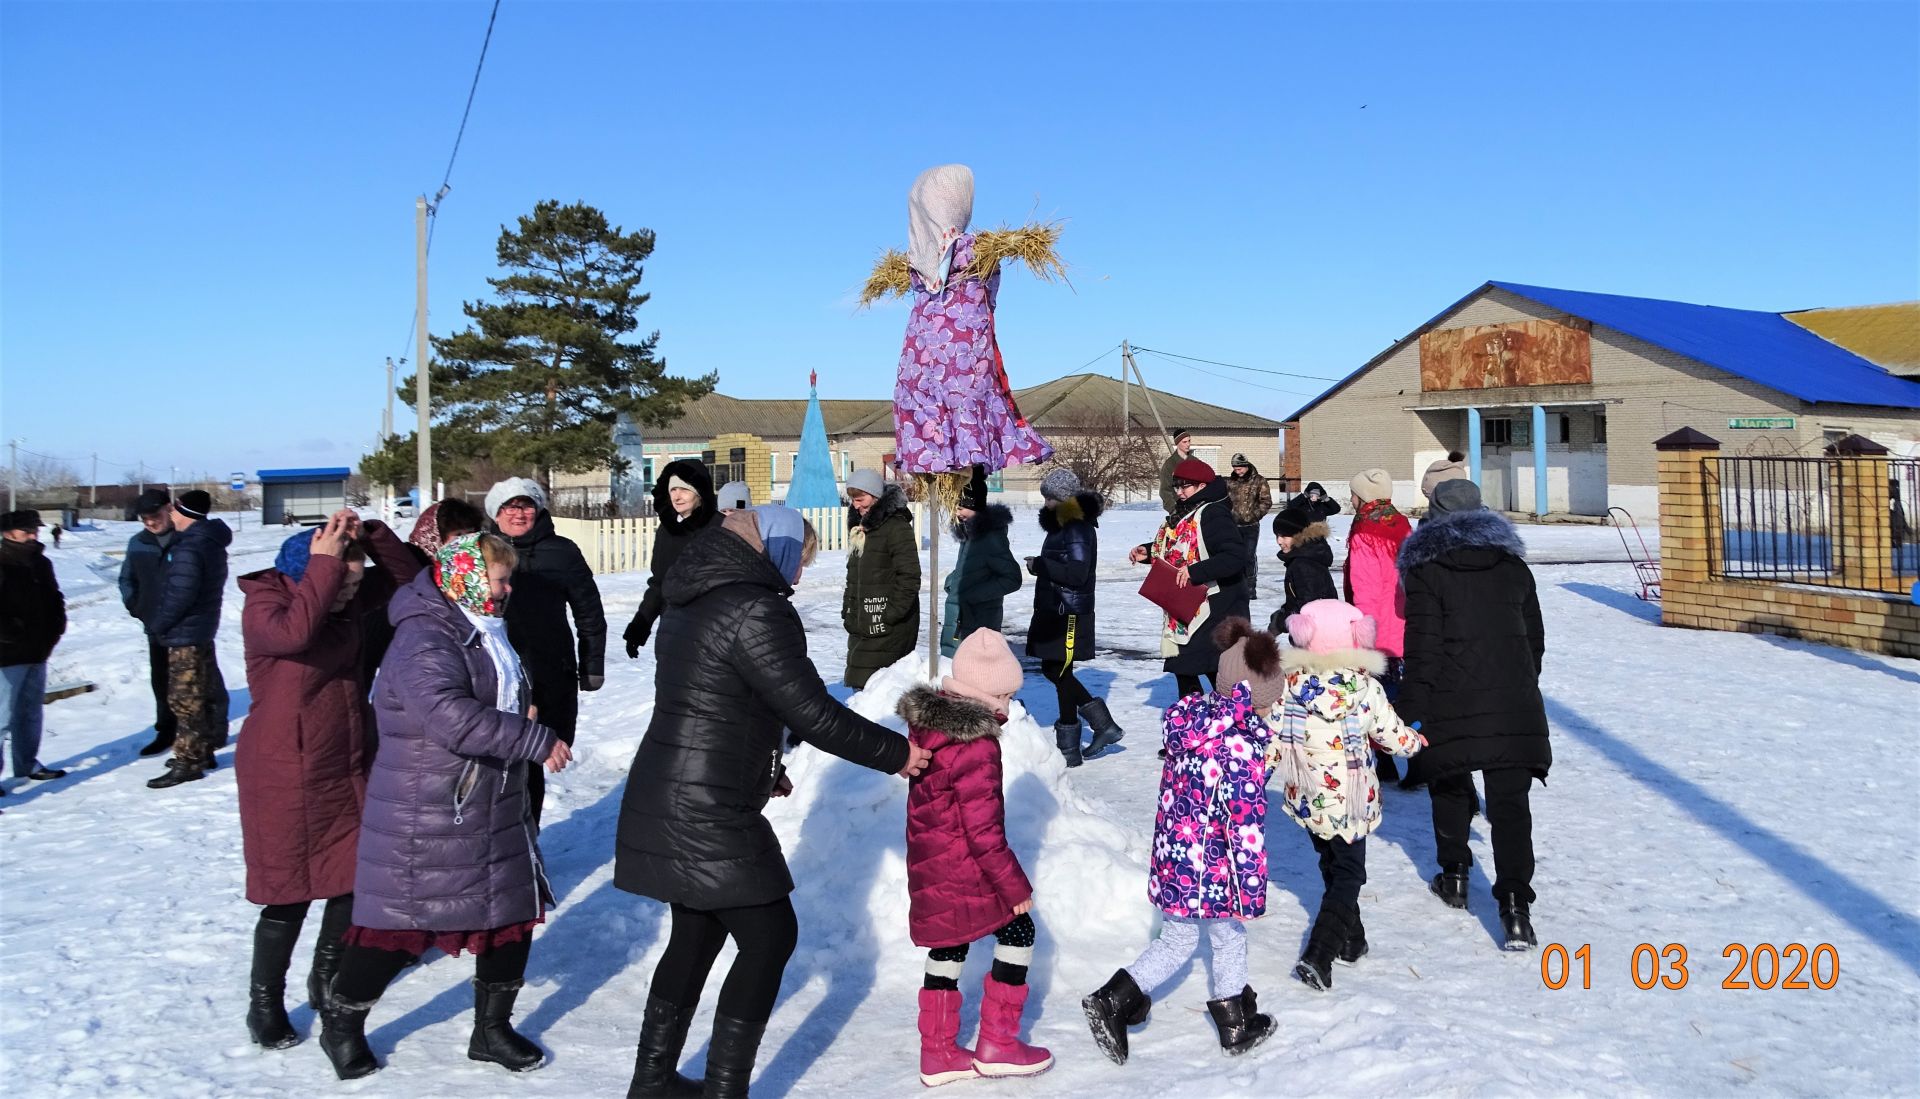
point(963, 881)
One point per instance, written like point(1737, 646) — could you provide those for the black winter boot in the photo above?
point(178, 771)
point(1355, 948)
point(1066, 737)
point(1106, 734)
point(494, 1038)
point(1450, 885)
point(1118, 1005)
point(730, 1057)
point(1329, 934)
point(343, 1037)
point(663, 1033)
point(1518, 924)
point(334, 919)
point(273, 942)
point(1241, 1026)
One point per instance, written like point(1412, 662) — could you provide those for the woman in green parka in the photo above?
point(985, 571)
point(882, 606)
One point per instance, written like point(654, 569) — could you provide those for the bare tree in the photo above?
point(39, 474)
point(1107, 459)
point(359, 493)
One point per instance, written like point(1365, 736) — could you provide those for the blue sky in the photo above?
point(206, 210)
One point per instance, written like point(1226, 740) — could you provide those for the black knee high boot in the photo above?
point(273, 942)
point(663, 1034)
point(334, 919)
point(730, 1057)
point(343, 1036)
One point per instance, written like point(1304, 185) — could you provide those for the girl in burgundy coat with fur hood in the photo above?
point(963, 881)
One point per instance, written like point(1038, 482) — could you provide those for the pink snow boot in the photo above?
point(942, 1060)
point(1000, 1052)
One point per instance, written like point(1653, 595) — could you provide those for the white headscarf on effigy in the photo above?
point(938, 211)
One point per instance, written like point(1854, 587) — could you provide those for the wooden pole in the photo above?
point(934, 603)
point(423, 455)
point(1126, 355)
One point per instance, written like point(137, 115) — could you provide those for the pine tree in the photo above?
point(540, 376)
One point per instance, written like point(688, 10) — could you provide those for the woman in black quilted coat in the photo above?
point(691, 834)
point(683, 503)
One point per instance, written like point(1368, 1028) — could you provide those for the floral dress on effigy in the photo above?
point(953, 407)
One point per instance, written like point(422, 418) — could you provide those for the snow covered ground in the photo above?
point(1709, 789)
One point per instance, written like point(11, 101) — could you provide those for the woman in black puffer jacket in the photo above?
point(1201, 539)
point(684, 503)
point(1474, 649)
point(1061, 633)
point(691, 832)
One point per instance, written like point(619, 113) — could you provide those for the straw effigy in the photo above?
point(1034, 245)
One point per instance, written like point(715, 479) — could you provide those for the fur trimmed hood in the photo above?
point(1313, 532)
point(892, 502)
point(961, 719)
point(986, 520)
point(1086, 505)
point(1300, 660)
point(1442, 537)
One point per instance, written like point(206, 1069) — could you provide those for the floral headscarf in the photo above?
point(462, 576)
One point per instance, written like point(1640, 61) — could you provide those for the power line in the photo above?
point(1222, 377)
point(1237, 366)
point(1097, 358)
point(475, 87)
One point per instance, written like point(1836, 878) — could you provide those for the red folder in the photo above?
point(1162, 592)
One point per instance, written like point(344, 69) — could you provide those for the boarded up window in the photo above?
point(1496, 356)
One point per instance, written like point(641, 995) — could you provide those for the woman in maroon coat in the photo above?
point(302, 763)
point(963, 881)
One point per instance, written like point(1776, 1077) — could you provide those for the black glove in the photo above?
point(1033, 566)
point(636, 636)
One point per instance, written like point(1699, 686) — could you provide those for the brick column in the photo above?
point(1689, 525)
point(1861, 538)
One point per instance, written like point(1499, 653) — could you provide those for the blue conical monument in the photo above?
point(813, 483)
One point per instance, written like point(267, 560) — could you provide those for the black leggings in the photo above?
point(765, 935)
point(338, 908)
point(1012, 954)
point(366, 971)
point(1067, 688)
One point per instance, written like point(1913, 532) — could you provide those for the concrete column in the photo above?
point(1539, 459)
point(1473, 444)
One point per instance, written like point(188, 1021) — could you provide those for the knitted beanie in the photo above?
point(1251, 657)
point(512, 489)
point(985, 670)
point(1297, 516)
point(1329, 625)
point(1060, 485)
point(1448, 469)
point(868, 481)
point(1452, 496)
point(294, 554)
point(1372, 485)
point(194, 503)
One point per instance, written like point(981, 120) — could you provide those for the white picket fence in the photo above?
point(626, 545)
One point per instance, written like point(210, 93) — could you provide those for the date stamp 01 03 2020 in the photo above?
point(1762, 966)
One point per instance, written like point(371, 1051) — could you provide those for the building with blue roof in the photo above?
point(1553, 398)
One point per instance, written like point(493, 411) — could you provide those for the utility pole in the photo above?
point(95, 502)
point(1127, 361)
point(424, 455)
point(13, 471)
point(386, 435)
point(141, 472)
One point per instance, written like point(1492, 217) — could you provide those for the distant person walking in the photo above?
point(33, 618)
point(881, 607)
point(142, 580)
point(302, 766)
point(984, 572)
point(186, 621)
point(1474, 649)
point(1252, 499)
point(683, 505)
point(551, 579)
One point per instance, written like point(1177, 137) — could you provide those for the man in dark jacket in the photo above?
point(881, 607)
point(551, 578)
point(684, 504)
point(1307, 557)
point(186, 622)
point(692, 831)
point(1182, 451)
point(1474, 649)
point(1252, 499)
point(33, 616)
point(142, 578)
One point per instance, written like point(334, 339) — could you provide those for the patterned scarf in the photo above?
point(1179, 544)
point(461, 573)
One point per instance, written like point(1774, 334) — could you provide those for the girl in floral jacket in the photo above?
point(1325, 725)
point(1209, 866)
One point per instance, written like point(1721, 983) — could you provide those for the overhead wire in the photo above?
point(1222, 377)
point(1237, 366)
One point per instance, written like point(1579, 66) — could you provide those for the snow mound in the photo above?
point(844, 833)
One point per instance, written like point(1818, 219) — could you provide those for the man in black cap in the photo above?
point(33, 616)
point(186, 621)
point(142, 577)
point(1182, 450)
point(1252, 499)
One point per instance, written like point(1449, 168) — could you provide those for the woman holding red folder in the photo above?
point(1200, 542)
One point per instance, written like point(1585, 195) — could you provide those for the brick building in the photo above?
point(1600, 377)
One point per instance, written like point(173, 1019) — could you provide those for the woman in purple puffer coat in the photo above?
point(447, 854)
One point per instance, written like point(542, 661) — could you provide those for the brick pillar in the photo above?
point(1862, 541)
point(1689, 523)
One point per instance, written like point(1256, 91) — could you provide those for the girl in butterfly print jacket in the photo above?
point(1330, 716)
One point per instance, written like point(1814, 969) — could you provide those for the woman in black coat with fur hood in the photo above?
point(1474, 648)
point(684, 502)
